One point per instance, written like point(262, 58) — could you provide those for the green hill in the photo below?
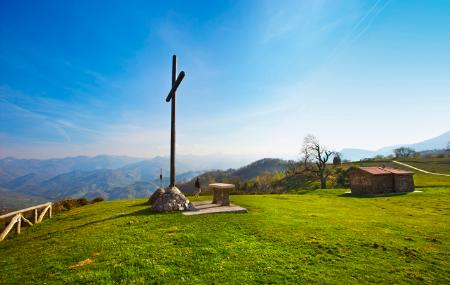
point(316, 238)
point(245, 173)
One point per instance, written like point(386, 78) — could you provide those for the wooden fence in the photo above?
point(18, 217)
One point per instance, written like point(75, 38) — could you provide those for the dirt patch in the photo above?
point(82, 263)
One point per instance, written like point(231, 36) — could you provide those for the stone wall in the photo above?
point(360, 182)
point(383, 184)
point(404, 183)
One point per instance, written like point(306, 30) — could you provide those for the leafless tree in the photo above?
point(291, 168)
point(404, 151)
point(315, 158)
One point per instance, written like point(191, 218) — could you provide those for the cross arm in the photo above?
point(175, 86)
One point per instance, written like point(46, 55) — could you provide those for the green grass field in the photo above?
point(320, 237)
point(438, 165)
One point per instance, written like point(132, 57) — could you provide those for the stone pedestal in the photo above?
point(221, 193)
point(171, 200)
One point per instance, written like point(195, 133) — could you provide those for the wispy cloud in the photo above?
point(36, 116)
point(56, 114)
point(359, 28)
point(285, 17)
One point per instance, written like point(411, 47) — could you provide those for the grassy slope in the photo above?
point(318, 237)
point(438, 165)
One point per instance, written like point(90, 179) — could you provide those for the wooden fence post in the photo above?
point(19, 223)
point(8, 228)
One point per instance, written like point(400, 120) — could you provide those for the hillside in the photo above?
point(300, 183)
point(250, 171)
point(10, 200)
point(283, 239)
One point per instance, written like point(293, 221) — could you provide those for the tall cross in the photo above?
point(175, 83)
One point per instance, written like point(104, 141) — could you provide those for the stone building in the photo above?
point(379, 180)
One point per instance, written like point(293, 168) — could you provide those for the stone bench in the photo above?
point(221, 193)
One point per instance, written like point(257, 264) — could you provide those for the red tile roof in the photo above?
point(385, 170)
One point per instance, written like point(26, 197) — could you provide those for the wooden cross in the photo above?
point(175, 83)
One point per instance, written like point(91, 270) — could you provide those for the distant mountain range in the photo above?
point(438, 142)
point(11, 168)
point(27, 181)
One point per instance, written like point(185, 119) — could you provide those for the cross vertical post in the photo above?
point(176, 81)
point(172, 125)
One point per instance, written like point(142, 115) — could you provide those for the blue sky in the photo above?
point(90, 77)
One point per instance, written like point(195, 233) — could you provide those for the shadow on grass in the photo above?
point(138, 205)
point(300, 192)
point(142, 212)
point(350, 195)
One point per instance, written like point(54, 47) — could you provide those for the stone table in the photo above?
point(221, 193)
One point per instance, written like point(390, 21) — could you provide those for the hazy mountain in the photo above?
point(25, 181)
point(11, 200)
point(145, 169)
point(107, 183)
point(11, 168)
point(215, 161)
point(438, 142)
point(150, 169)
point(186, 176)
point(139, 189)
point(77, 184)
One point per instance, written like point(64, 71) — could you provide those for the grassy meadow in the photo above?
point(323, 236)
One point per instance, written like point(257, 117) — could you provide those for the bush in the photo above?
point(67, 204)
point(98, 199)
point(64, 205)
point(82, 201)
point(342, 176)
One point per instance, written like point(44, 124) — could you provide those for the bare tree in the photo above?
point(404, 151)
point(291, 168)
point(315, 158)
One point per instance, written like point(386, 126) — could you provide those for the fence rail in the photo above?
point(18, 218)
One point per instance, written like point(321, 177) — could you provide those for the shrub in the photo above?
point(69, 203)
point(64, 205)
point(98, 199)
point(342, 176)
point(82, 201)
